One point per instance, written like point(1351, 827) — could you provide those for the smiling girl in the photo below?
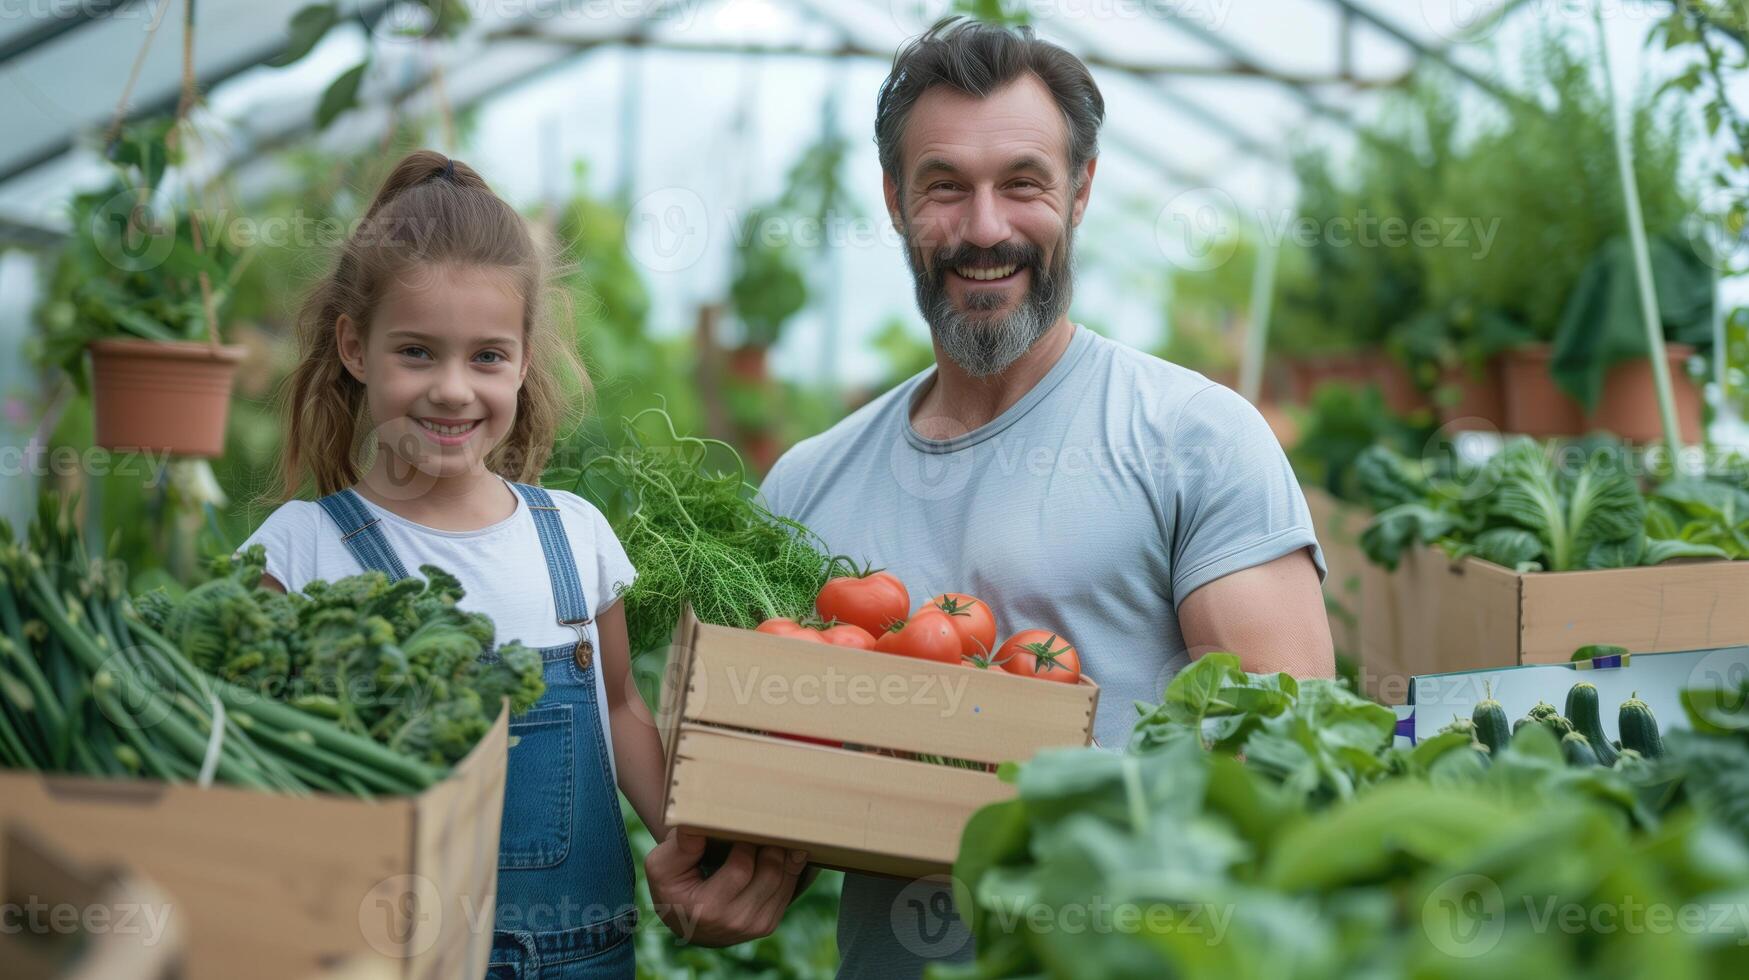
point(430, 385)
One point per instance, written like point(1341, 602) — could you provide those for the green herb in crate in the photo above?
point(695, 534)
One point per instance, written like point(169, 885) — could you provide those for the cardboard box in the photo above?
point(1436, 616)
point(272, 886)
point(1657, 679)
point(851, 808)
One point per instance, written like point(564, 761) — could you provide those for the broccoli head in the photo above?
point(516, 674)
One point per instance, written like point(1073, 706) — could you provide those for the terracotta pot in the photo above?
point(1480, 404)
point(1535, 405)
point(1308, 373)
point(162, 397)
point(1357, 370)
point(1397, 386)
point(1628, 406)
point(748, 363)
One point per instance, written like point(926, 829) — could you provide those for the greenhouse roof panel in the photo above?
point(1263, 69)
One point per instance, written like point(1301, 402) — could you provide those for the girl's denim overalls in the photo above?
point(566, 906)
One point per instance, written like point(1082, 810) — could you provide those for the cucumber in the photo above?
point(1577, 750)
point(1520, 723)
point(1543, 711)
point(1582, 711)
point(1639, 730)
point(1489, 722)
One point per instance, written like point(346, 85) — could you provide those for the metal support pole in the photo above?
point(1262, 305)
point(1630, 189)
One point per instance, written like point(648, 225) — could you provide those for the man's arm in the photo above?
point(1272, 615)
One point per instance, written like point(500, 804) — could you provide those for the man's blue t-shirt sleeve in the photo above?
point(1236, 502)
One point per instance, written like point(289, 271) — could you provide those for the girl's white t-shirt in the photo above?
point(501, 566)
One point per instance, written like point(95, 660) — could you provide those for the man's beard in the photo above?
point(981, 345)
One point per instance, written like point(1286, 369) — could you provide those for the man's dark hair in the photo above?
point(978, 58)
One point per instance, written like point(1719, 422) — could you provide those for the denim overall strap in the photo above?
point(561, 568)
point(363, 534)
point(566, 905)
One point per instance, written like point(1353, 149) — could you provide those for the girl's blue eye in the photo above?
point(413, 351)
point(491, 353)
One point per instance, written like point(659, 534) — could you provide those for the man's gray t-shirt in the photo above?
point(1117, 486)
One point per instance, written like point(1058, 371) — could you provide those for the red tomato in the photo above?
point(874, 601)
point(972, 619)
point(848, 635)
point(929, 635)
point(1041, 654)
point(789, 628)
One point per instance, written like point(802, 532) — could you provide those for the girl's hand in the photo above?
point(744, 899)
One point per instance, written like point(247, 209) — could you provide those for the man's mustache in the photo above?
point(1004, 253)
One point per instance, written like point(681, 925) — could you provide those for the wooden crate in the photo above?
point(269, 886)
point(1436, 616)
point(736, 702)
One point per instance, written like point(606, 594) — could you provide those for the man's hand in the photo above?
point(743, 900)
point(1272, 615)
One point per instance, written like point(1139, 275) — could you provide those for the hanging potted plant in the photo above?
point(140, 288)
point(766, 291)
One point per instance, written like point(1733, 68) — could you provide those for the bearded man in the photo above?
point(1076, 485)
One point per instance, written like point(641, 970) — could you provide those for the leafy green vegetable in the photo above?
point(697, 535)
point(1705, 513)
point(1579, 519)
point(90, 686)
point(1313, 848)
point(1531, 508)
point(399, 662)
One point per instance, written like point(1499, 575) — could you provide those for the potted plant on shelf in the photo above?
point(1600, 354)
point(1549, 177)
point(1340, 296)
point(141, 288)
